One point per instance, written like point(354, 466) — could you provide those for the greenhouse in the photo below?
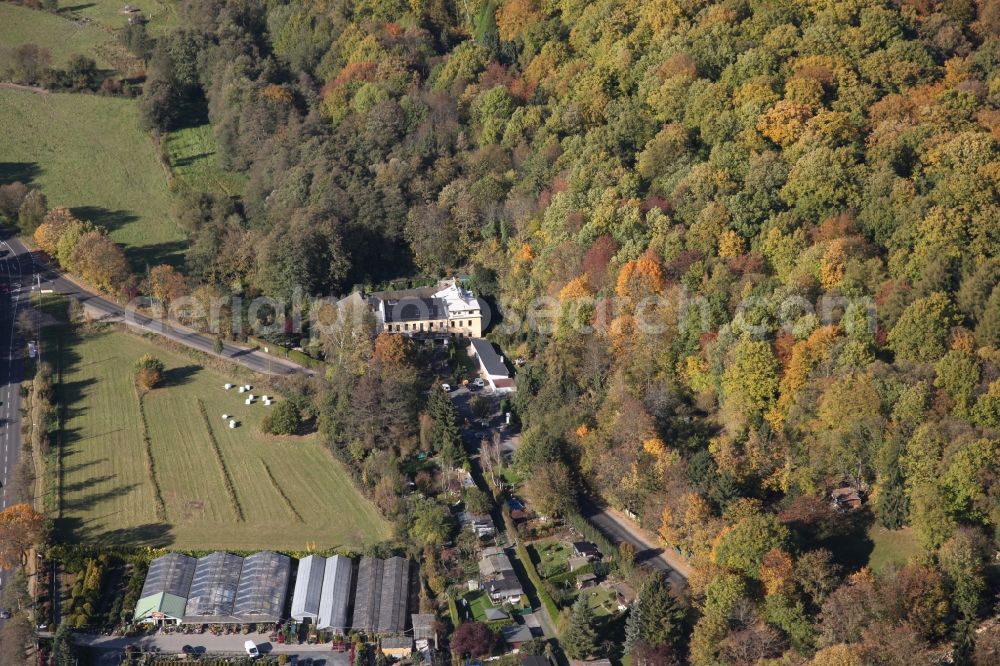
point(381, 596)
point(213, 589)
point(165, 591)
point(336, 594)
point(323, 591)
point(263, 584)
point(308, 588)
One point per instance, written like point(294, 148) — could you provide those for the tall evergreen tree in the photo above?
point(656, 618)
point(580, 638)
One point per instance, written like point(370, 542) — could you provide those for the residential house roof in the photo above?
point(515, 634)
point(585, 548)
point(397, 643)
point(489, 358)
point(493, 565)
point(506, 584)
point(494, 614)
point(423, 626)
point(534, 660)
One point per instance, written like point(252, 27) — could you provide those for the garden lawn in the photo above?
point(61, 36)
point(89, 153)
point(191, 151)
point(479, 602)
point(892, 547)
point(552, 557)
point(602, 600)
point(289, 493)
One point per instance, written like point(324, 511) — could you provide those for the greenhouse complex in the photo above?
point(222, 588)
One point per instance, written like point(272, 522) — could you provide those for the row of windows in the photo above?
point(430, 326)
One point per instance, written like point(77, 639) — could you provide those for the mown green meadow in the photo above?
point(192, 155)
point(165, 470)
point(89, 153)
point(61, 36)
point(161, 15)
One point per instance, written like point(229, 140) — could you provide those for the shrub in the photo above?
point(148, 371)
point(284, 419)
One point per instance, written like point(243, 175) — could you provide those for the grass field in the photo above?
point(892, 547)
point(160, 14)
point(61, 36)
point(89, 153)
point(286, 492)
point(192, 159)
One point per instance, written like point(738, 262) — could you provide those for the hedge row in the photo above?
point(536, 580)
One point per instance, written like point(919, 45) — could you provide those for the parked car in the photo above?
point(4, 614)
point(480, 382)
point(251, 648)
point(446, 388)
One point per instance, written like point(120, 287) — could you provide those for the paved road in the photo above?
point(103, 308)
point(15, 275)
point(619, 528)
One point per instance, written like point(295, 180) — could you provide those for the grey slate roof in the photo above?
point(414, 309)
point(489, 358)
point(423, 626)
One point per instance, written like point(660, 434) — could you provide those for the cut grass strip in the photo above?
point(226, 480)
point(281, 493)
point(147, 450)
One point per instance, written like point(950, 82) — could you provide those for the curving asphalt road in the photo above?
point(48, 277)
point(648, 552)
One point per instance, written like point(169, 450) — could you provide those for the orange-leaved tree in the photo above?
point(21, 527)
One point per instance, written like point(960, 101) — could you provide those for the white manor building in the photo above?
point(445, 310)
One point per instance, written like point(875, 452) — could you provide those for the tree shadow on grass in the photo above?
point(156, 535)
point(851, 545)
point(180, 376)
point(170, 252)
point(112, 220)
point(191, 159)
point(72, 529)
point(25, 172)
point(73, 469)
point(82, 504)
point(76, 8)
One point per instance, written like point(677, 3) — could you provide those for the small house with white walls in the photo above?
point(492, 365)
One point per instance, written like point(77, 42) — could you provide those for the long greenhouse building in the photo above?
point(223, 588)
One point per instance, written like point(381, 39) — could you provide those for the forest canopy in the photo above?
point(802, 195)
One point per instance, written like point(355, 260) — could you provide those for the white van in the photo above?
point(251, 648)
